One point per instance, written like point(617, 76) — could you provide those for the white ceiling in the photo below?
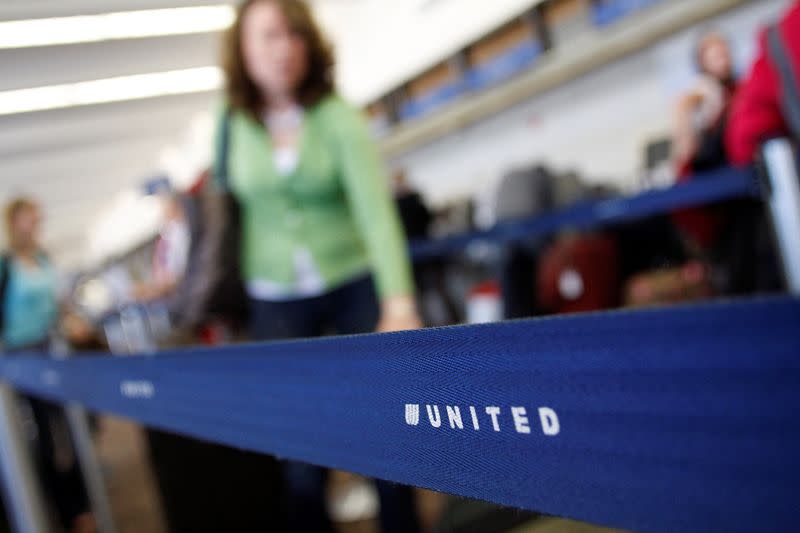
point(77, 160)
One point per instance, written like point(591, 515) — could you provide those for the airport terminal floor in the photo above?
point(525, 266)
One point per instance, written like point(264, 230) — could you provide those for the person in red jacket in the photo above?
point(699, 141)
point(757, 113)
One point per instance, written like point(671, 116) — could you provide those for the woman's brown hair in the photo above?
point(243, 93)
point(14, 208)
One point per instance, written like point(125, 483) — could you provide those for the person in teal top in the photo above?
point(28, 281)
point(322, 247)
point(30, 308)
point(30, 312)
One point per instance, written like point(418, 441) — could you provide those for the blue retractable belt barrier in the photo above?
point(680, 419)
point(711, 187)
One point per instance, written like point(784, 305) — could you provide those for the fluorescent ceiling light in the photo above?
point(193, 80)
point(114, 26)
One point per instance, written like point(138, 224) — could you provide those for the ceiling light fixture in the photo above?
point(120, 89)
point(115, 26)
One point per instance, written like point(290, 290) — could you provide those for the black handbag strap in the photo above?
point(5, 274)
point(789, 82)
point(221, 167)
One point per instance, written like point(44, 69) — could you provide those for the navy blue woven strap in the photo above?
point(681, 419)
point(716, 186)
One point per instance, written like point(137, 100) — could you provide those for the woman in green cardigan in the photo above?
point(317, 213)
point(322, 245)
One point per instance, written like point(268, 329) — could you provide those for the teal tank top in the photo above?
point(30, 306)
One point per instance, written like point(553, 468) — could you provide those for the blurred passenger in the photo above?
point(318, 219)
point(702, 113)
point(727, 243)
point(768, 103)
point(322, 248)
point(177, 280)
point(322, 245)
point(766, 106)
point(414, 214)
point(29, 314)
point(171, 253)
point(698, 144)
point(436, 306)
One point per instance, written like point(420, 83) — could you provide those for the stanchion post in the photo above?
point(78, 423)
point(783, 184)
point(21, 490)
point(91, 468)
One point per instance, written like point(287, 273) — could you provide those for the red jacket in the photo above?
point(756, 113)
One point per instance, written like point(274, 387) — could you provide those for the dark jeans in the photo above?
point(517, 274)
point(57, 461)
point(350, 309)
point(212, 488)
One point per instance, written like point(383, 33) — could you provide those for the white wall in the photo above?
point(382, 43)
point(597, 125)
